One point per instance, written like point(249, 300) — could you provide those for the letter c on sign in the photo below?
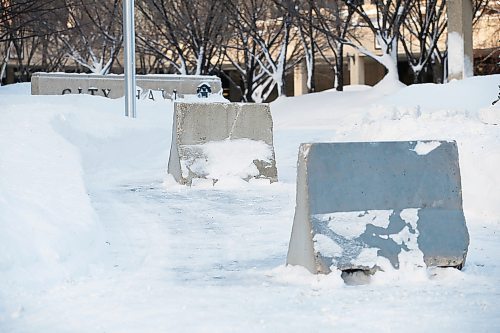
point(66, 91)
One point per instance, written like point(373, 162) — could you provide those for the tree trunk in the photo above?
point(311, 82)
point(339, 67)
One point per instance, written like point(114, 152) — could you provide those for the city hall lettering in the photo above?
point(106, 91)
point(153, 87)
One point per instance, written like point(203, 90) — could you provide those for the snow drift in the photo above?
point(92, 230)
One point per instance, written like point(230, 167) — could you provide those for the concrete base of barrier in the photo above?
point(112, 86)
point(218, 140)
point(366, 206)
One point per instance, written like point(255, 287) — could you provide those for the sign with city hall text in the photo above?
point(112, 86)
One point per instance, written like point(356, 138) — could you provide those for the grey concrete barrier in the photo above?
point(218, 140)
point(112, 86)
point(367, 205)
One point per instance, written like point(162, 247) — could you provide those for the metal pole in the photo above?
point(129, 57)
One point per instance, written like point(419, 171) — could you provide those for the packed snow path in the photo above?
point(170, 258)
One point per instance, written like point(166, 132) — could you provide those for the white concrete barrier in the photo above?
point(112, 86)
point(366, 206)
point(222, 140)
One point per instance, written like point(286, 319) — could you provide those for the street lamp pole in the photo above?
point(129, 57)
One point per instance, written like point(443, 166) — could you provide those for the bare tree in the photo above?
point(150, 62)
point(424, 28)
point(322, 27)
point(490, 63)
point(386, 26)
point(95, 36)
point(5, 50)
point(264, 36)
point(22, 24)
point(421, 32)
point(337, 28)
point(305, 22)
point(242, 50)
point(17, 15)
point(491, 9)
point(189, 35)
point(54, 56)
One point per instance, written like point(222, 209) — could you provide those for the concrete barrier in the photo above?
point(365, 206)
point(112, 86)
point(218, 140)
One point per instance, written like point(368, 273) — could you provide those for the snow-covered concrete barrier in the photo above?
point(112, 86)
point(221, 140)
point(366, 206)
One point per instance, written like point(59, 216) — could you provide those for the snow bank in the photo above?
point(51, 146)
point(89, 232)
point(490, 115)
point(16, 89)
point(48, 229)
point(462, 96)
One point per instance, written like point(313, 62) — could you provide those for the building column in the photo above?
point(300, 79)
point(357, 69)
point(460, 56)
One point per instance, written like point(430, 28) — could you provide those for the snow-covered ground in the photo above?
point(95, 237)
